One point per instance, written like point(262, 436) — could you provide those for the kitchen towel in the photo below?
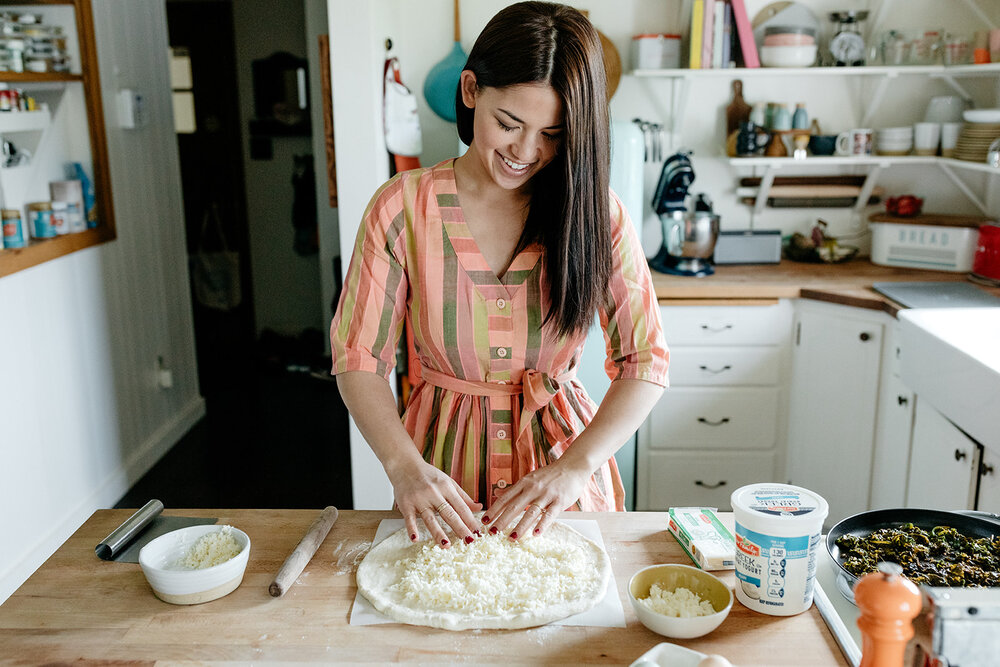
point(607, 613)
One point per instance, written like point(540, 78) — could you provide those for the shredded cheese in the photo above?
point(680, 602)
point(211, 549)
point(494, 576)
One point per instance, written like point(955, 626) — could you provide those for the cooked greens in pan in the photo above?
point(939, 557)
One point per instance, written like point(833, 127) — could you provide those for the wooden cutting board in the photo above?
point(79, 608)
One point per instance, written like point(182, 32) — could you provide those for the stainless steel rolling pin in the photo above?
point(125, 533)
point(303, 553)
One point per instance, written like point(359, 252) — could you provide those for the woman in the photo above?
point(498, 261)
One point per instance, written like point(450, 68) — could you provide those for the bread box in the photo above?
point(928, 241)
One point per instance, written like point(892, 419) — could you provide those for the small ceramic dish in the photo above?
point(788, 56)
point(671, 577)
point(981, 115)
point(175, 584)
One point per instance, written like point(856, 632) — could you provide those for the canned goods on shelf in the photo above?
point(59, 219)
point(40, 220)
point(15, 234)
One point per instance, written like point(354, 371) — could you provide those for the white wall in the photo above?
point(422, 34)
point(286, 286)
point(81, 417)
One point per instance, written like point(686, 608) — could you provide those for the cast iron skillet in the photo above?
point(972, 524)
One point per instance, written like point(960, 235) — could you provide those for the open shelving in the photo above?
point(81, 87)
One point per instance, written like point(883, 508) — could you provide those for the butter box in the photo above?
point(703, 537)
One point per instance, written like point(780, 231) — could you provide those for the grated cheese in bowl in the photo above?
point(681, 602)
point(210, 550)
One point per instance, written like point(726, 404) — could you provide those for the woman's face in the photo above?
point(517, 129)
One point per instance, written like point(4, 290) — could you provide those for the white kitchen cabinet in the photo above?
point(943, 463)
point(989, 482)
point(836, 355)
point(891, 459)
point(720, 424)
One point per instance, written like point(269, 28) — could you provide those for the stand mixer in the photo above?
point(689, 236)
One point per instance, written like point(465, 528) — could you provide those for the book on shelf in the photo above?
point(708, 33)
point(745, 34)
point(727, 36)
point(718, 36)
point(697, 26)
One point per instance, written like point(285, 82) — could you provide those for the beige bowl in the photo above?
point(671, 577)
point(176, 585)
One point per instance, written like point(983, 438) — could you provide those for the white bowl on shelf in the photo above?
point(945, 109)
point(176, 585)
point(788, 56)
point(981, 115)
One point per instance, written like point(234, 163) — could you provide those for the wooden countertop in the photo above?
point(848, 284)
point(79, 608)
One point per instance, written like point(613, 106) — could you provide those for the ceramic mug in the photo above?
point(949, 137)
point(926, 137)
point(855, 142)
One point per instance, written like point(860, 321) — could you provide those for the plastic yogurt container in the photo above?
point(778, 533)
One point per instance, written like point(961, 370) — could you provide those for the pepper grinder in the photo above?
point(888, 602)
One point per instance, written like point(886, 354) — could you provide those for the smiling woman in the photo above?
point(498, 261)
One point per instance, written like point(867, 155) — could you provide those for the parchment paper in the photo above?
point(606, 613)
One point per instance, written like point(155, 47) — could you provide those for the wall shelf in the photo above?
point(991, 69)
point(88, 111)
point(24, 121)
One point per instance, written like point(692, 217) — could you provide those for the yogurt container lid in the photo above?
point(780, 501)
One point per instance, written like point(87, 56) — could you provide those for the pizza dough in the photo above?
point(492, 583)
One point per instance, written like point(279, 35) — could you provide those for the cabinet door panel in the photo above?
point(719, 366)
point(943, 463)
point(989, 483)
point(892, 443)
point(833, 397)
point(726, 418)
point(726, 325)
point(702, 479)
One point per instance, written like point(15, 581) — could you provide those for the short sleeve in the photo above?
point(369, 318)
point(633, 332)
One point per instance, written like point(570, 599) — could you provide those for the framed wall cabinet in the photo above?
point(48, 54)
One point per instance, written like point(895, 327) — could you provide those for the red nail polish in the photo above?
point(486, 519)
point(469, 539)
point(513, 536)
point(493, 530)
point(478, 534)
point(413, 537)
point(444, 542)
point(537, 531)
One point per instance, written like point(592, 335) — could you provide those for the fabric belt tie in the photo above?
point(538, 390)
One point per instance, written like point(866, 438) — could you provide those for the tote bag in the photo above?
point(215, 274)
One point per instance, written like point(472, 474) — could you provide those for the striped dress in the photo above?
point(498, 396)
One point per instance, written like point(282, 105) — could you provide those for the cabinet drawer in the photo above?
point(717, 366)
point(722, 418)
point(726, 325)
point(701, 479)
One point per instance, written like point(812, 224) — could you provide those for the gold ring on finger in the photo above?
point(440, 508)
point(538, 507)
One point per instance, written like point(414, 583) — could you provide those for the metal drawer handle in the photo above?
point(721, 482)
point(715, 371)
point(724, 420)
point(716, 329)
point(903, 400)
point(985, 469)
point(959, 455)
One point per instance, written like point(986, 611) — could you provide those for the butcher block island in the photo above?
point(79, 608)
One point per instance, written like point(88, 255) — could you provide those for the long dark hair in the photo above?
point(542, 42)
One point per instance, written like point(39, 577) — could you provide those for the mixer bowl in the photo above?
point(690, 234)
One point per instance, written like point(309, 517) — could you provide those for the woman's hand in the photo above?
point(422, 491)
point(541, 495)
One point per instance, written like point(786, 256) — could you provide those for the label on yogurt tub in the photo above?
point(776, 574)
point(780, 501)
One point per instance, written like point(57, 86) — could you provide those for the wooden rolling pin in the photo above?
point(303, 553)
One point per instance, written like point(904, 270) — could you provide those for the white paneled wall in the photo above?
point(81, 416)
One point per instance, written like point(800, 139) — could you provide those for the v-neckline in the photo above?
point(467, 249)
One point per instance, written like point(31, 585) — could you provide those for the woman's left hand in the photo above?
point(541, 495)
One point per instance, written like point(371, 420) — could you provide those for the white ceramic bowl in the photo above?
point(945, 109)
point(981, 116)
point(788, 56)
point(182, 586)
point(670, 577)
point(896, 132)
